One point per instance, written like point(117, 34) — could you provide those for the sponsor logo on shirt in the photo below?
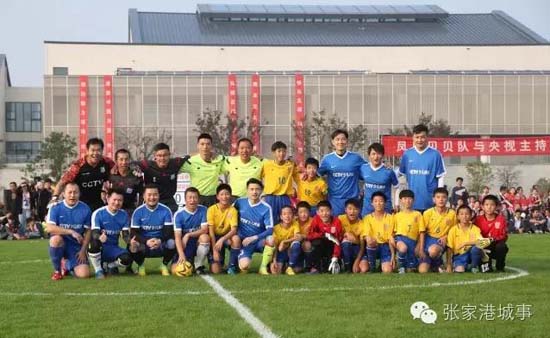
point(92, 184)
point(249, 222)
point(423, 172)
point(345, 174)
point(374, 186)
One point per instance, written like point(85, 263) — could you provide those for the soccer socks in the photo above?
point(402, 259)
point(95, 259)
point(295, 249)
point(371, 256)
point(347, 252)
point(234, 257)
point(475, 256)
point(56, 254)
point(267, 256)
point(202, 252)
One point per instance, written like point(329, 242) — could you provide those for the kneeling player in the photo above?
point(222, 220)
point(287, 241)
point(325, 235)
point(493, 225)
point(107, 224)
point(151, 232)
point(461, 243)
point(378, 228)
point(353, 248)
point(190, 230)
point(68, 223)
point(408, 224)
point(304, 222)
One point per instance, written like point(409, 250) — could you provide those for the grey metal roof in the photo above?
point(495, 28)
point(4, 61)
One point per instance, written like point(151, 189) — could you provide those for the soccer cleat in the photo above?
point(129, 270)
point(290, 271)
point(64, 271)
point(164, 270)
point(401, 270)
point(231, 270)
point(56, 275)
point(263, 271)
point(141, 271)
point(113, 271)
point(201, 270)
point(99, 274)
point(475, 270)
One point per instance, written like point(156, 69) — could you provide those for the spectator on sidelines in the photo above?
point(537, 222)
point(41, 197)
point(12, 198)
point(458, 192)
point(27, 207)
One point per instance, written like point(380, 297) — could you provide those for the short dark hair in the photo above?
point(353, 201)
point(224, 186)
point(420, 128)
point(406, 193)
point(464, 206)
point(94, 141)
point(160, 146)
point(117, 191)
point(378, 194)
point(312, 161)
point(254, 181)
point(204, 136)
point(441, 190)
point(245, 139)
point(491, 198)
point(13, 183)
point(278, 145)
point(324, 203)
point(503, 188)
point(191, 190)
point(122, 151)
point(150, 186)
point(303, 204)
point(69, 183)
point(376, 146)
point(459, 179)
point(287, 207)
point(338, 132)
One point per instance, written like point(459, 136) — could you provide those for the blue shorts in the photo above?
point(156, 252)
point(412, 261)
point(383, 252)
point(70, 253)
point(338, 205)
point(282, 257)
point(277, 202)
point(428, 242)
point(467, 258)
point(248, 251)
point(190, 250)
point(109, 253)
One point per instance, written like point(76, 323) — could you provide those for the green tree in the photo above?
point(56, 151)
point(544, 185)
point(480, 174)
point(508, 176)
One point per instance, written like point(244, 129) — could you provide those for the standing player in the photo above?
point(204, 169)
point(423, 168)
point(127, 179)
point(255, 228)
point(342, 170)
point(493, 225)
point(151, 231)
point(378, 227)
point(243, 167)
point(89, 173)
point(376, 177)
point(68, 223)
point(312, 189)
point(409, 224)
point(190, 230)
point(108, 223)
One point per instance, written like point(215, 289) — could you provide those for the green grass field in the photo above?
point(291, 306)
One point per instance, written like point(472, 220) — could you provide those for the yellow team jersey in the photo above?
point(438, 225)
point(312, 192)
point(222, 221)
point(356, 229)
point(457, 236)
point(304, 228)
point(409, 224)
point(278, 179)
point(381, 229)
point(281, 233)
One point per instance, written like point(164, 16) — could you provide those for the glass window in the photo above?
point(18, 152)
point(23, 116)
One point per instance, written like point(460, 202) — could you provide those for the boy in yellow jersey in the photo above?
point(287, 242)
point(278, 176)
point(239, 169)
point(353, 248)
point(303, 211)
point(313, 189)
point(408, 226)
point(461, 243)
point(222, 219)
point(378, 227)
point(437, 220)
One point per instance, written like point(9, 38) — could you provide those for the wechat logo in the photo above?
point(421, 310)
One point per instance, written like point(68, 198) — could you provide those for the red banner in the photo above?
point(232, 104)
point(299, 119)
point(108, 117)
point(83, 124)
point(255, 112)
point(470, 146)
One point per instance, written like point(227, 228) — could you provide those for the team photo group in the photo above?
point(339, 214)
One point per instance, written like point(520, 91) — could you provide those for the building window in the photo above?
point(61, 71)
point(18, 152)
point(23, 116)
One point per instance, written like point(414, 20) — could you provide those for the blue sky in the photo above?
point(25, 24)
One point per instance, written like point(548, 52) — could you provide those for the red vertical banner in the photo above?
point(83, 114)
point(299, 120)
point(232, 97)
point(108, 115)
point(255, 112)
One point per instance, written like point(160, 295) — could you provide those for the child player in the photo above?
point(325, 235)
point(287, 242)
point(461, 243)
point(304, 222)
point(493, 225)
point(352, 245)
point(313, 189)
point(378, 227)
point(409, 224)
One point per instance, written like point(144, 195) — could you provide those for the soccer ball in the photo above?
point(184, 269)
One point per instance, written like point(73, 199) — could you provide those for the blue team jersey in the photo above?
point(187, 221)
point(422, 170)
point(151, 222)
point(253, 219)
point(342, 174)
point(112, 224)
point(76, 218)
point(377, 179)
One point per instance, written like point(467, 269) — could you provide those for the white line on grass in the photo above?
point(25, 262)
point(243, 311)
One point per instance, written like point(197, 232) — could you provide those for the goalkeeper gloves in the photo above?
point(334, 266)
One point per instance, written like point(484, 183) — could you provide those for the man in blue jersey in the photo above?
point(151, 231)
point(376, 177)
point(191, 231)
point(342, 170)
point(68, 223)
point(255, 228)
point(108, 223)
point(424, 169)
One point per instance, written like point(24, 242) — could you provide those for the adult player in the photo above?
point(89, 173)
point(423, 168)
point(128, 179)
point(68, 223)
point(342, 170)
point(242, 167)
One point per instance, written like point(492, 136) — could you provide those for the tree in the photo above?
point(508, 176)
point(437, 128)
point(56, 151)
point(140, 142)
point(544, 185)
point(480, 174)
